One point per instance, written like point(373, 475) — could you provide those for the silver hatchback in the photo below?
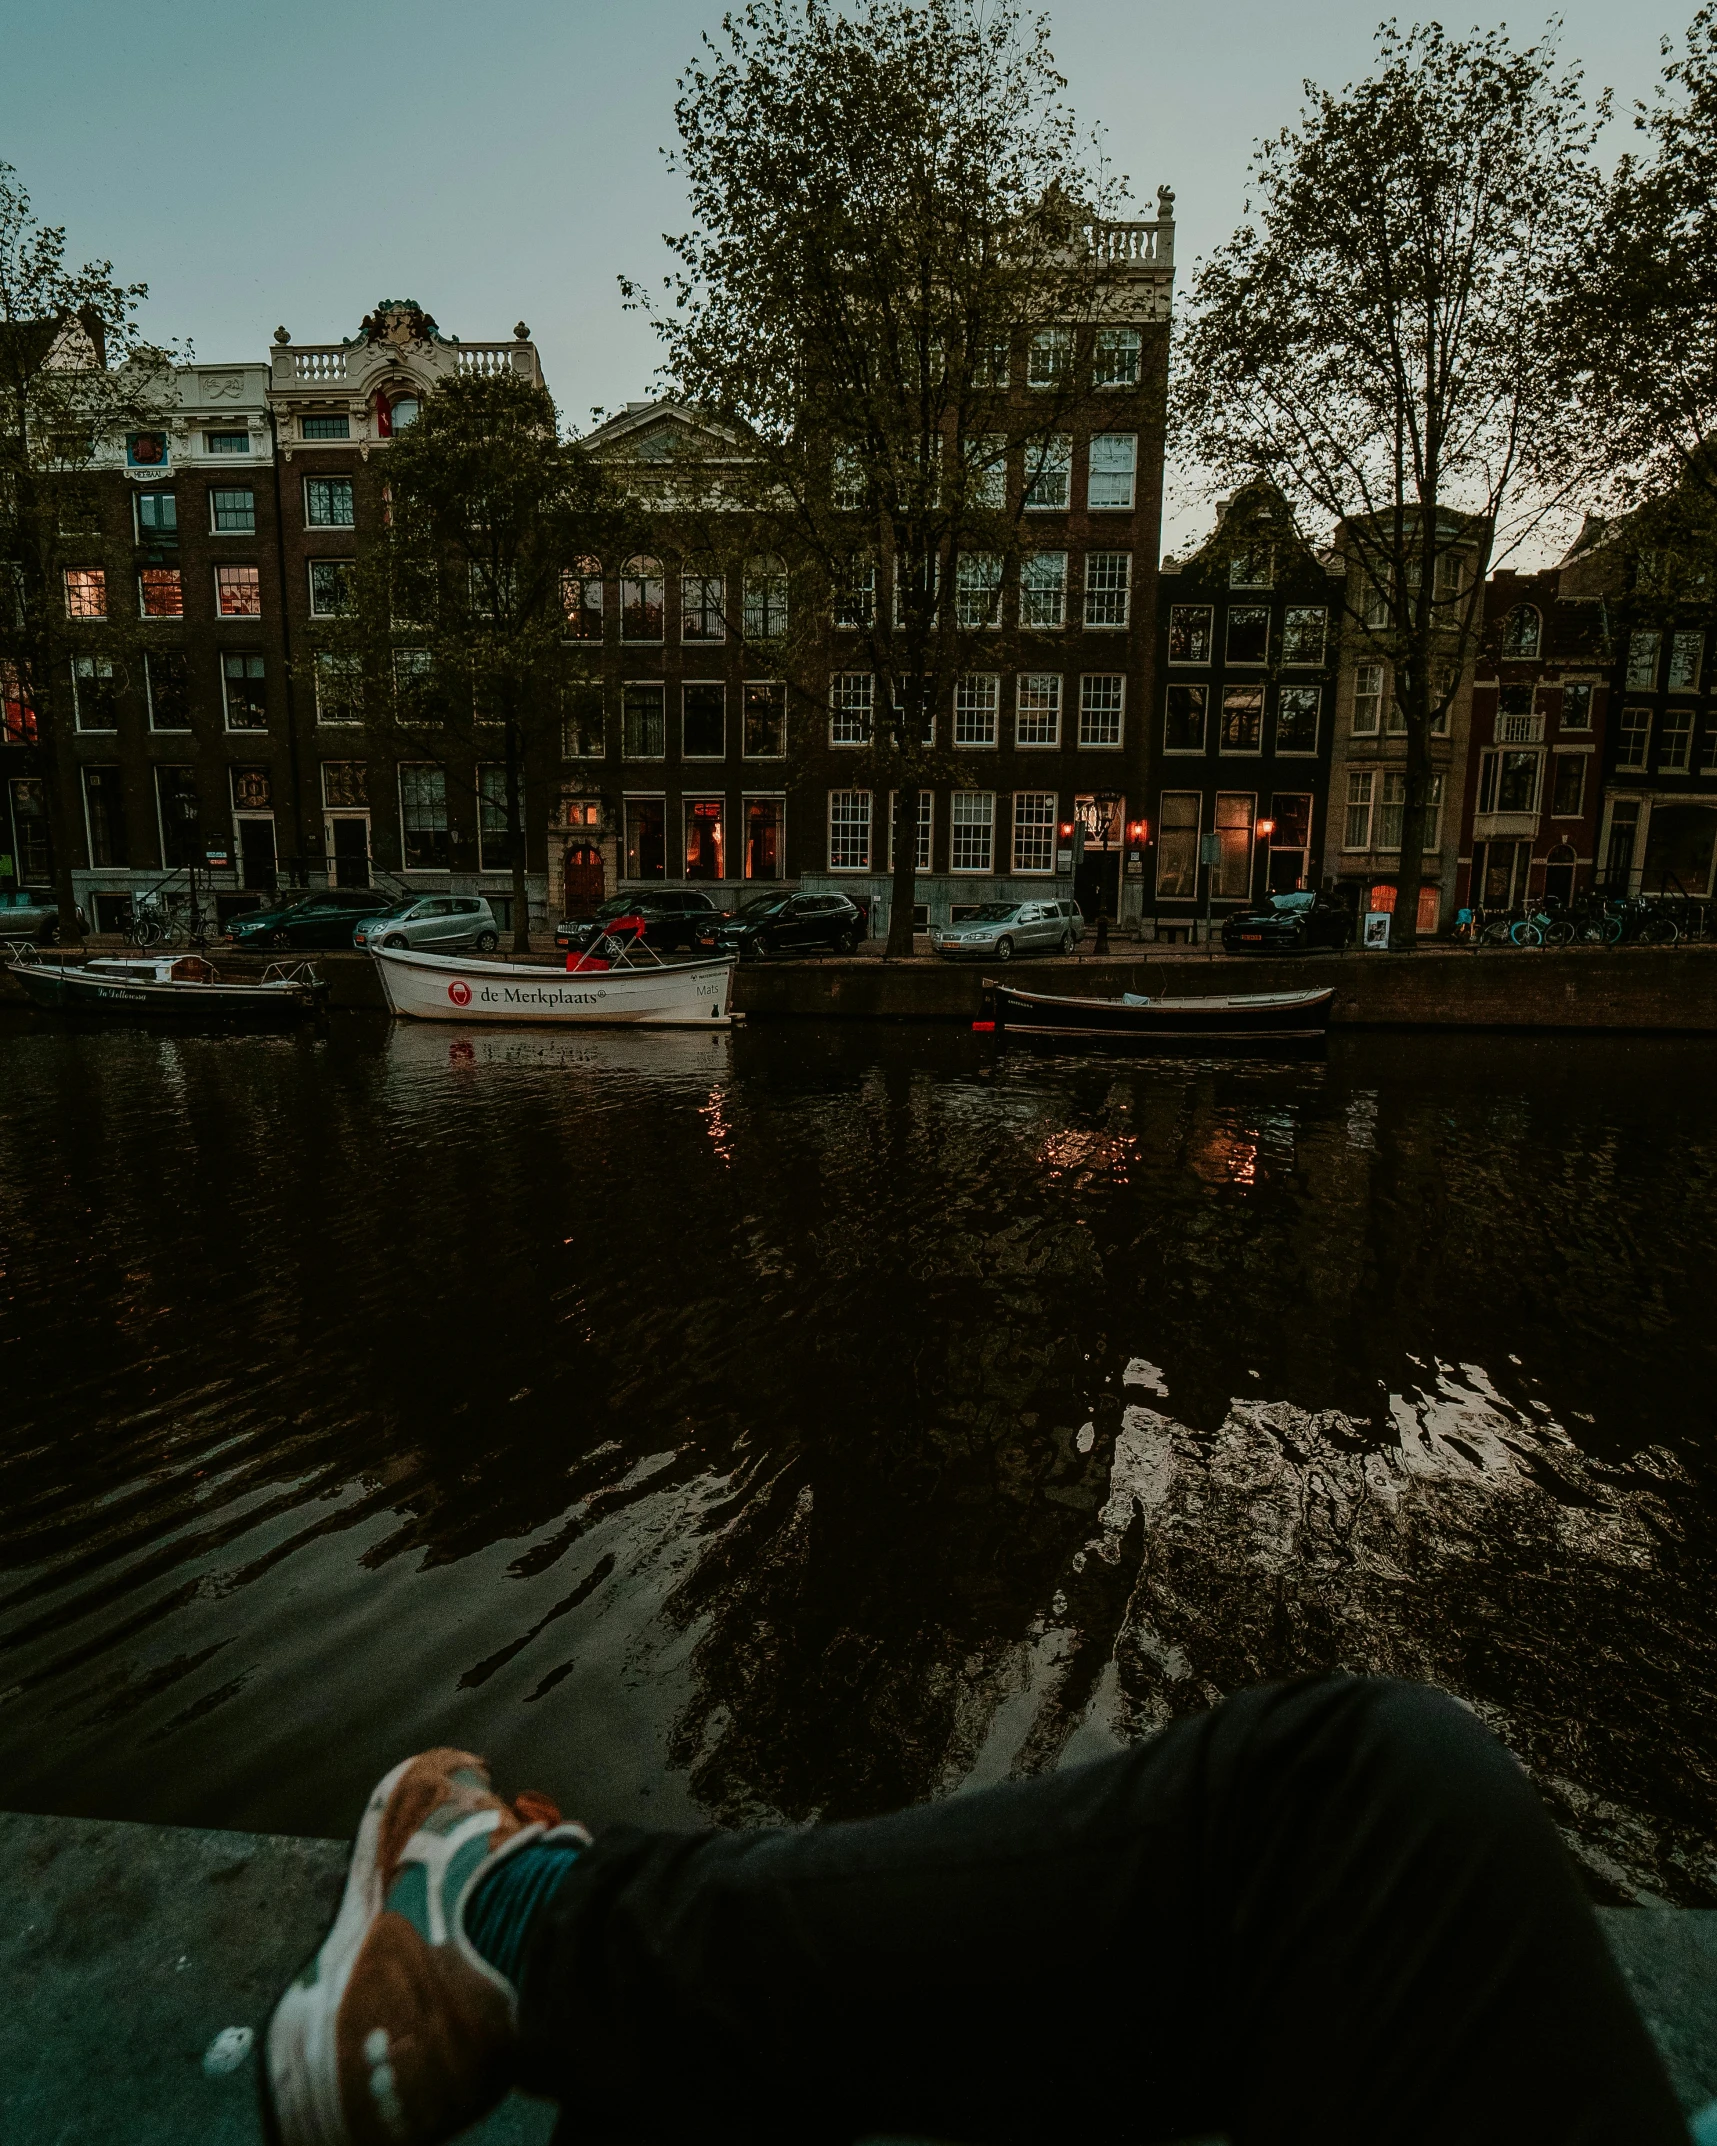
point(997, 931)
point(433, 924)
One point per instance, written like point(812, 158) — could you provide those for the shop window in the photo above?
point(1242, 719)
point(1297, 719)
point(1249, 633)
point(1184, 719)
point(706, 838)
point(849, 830)
point(703, 734)
point(1177, 844)
point(1037, 709)
point(1043, 589)
point(646, 841)
point(423, 818)
point(765, 722)
point(104, 812)
point(763, 838)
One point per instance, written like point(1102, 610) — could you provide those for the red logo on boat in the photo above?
point(459, 991)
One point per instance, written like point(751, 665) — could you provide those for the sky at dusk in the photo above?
point(501, 162)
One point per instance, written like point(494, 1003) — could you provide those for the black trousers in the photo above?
point(1328, 1911)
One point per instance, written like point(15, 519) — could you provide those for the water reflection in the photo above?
point(776, 1423)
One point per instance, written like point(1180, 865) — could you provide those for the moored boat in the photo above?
point(1225, 1017)
point(133, 987)
point(449, 987)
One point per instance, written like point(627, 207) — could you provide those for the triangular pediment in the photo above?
point(661, 432)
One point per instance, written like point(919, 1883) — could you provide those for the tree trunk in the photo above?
point(516, 838)
point(903, 880)
point(1415, 813)
point(59, 779)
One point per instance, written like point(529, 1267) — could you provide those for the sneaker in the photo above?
point(398, 2033)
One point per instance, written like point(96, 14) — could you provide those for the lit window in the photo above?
point(326, 428)
point(238, 592)
point(1043, 589)
point(1184, 718)
point(849, 830)
point(161, 592)
point(581, 595)
point(86, 592)
point(1116, 359)
point(244, 685)
point(1049, 360)
point(1102, 702)
point(1037, 709)
point(1235, 812)
point(1189, 633)
point(330, 586)
point(94, 694)
point(232, 510)
point(1114, 460)
point(1049, 472)
point(972, 824)
point(1108, 587)
point(18, 724)
point(851, 699)
point(328, 503)
point(706, 838)
point(1177, 844)
point(1034, 831)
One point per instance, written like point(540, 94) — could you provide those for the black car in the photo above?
point(672, 922)
point(788, 924)
point(326, 918)
point(1288, 924)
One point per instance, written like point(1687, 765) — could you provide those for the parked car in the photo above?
point(999, 930)
point(787, 924)
point(1288, 924)
point(673, 922)
point(434, 923)
point(30, 913)
point(326, 918)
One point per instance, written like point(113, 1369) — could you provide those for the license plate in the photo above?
point(1253, 938)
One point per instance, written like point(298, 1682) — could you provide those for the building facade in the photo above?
point(1248, 635)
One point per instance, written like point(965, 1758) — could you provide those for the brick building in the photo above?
point(1249, 629)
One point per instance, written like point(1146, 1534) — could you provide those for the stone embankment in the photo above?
point(130, 1954)
point(1641, 989)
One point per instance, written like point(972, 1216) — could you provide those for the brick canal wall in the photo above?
point(1667, 989)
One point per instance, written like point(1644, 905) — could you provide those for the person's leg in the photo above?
point(1332, 1911)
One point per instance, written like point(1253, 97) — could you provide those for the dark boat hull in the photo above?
point(114, 998)
point(1169, 1023)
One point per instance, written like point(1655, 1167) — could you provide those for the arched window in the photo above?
point(581, 593)
point(1521, 632)
point(641, 600)
point(765, 599)
point(703, 601)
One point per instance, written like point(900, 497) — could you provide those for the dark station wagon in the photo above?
point(1288, 924)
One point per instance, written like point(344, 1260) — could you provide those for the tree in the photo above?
point(76, 376)
point(1381, 345)
point(895, 230)
point(456, 615)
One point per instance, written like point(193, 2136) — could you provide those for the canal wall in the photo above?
point(1640, 989)
point(128, 1952)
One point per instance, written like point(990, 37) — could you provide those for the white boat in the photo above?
point(451, 987)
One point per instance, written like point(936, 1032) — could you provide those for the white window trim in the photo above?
point(260, 730)
point(79, 726)
point(869, 797)
point(1121, 624)
point(980, 745)
point(1247, 663)
point(648, 685)
point(925, 825)
point(226, 535)
point(326, 477)
point(1241, 752)
point(851, 745)
point(971, 871)
point(1033, 871)
point(1205, 661)
point(1305, 663)
point(1111, 506)
point(700, 759)
point(1119, 744)
point(745, 687)
point(1050, 745)
point(1300, 752)
point(227, 618)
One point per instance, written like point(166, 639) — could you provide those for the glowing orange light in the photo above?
point(1266, 828)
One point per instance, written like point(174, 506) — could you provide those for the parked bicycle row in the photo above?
point(1597, 920)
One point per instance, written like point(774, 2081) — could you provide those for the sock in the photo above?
point(500, 1914)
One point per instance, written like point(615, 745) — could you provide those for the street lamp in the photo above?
point(1265, 829)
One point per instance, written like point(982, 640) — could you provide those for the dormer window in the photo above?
point(1521, 632)
point(395, 409)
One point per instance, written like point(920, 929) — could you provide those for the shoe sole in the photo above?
point(299, 2076)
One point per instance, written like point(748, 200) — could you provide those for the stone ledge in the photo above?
point(125, 1949)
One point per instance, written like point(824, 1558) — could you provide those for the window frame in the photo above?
point(1049, 744)
point(331, 483)
point(1116, 744)
point(245, 656)
point(1117, 476)
point(1037, 592)
point(231, 577)
point(96, 667)
point(859, 827)
point(851, 693)
point(1189, 687)
point(1095, 592)
point(702, 685)
point(1316, 695)
point(957, 821)
point(1179, 612)
point(1046, 828)
point(214, 493)
point(978, 702)
point(752, 686)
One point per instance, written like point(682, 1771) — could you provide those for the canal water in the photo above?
point(796, 1422)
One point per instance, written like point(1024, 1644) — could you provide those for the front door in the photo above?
point(1097, 885)
point(349, 848)
point(586, 884)
point(256, 859)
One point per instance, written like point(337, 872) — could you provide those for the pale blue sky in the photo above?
point(499, 160)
